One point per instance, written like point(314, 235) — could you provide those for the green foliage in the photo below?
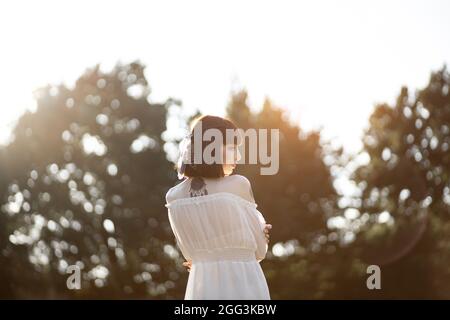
point(301, 192)
point(83, 182)
point(408, 177)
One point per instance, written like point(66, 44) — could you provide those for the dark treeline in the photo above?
point(83, 183)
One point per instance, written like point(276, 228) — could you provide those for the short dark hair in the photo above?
point(214, 170)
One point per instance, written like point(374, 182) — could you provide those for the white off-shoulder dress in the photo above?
point(223, 235)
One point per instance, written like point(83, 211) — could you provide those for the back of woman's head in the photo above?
point(197, 143)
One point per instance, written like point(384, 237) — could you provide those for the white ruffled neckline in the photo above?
point(210, 196)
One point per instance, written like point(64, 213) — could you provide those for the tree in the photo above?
point(83, 183)
point(303, 185)
point(406, 185)
point(297, 201)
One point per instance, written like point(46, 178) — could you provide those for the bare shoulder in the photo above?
point(237, 180)
point(241, 186)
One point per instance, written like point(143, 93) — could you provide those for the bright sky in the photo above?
point(328, 62)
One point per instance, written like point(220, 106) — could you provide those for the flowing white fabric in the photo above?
point(222, 233)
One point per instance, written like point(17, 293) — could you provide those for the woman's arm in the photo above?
point(260, 228)
point(266, 231)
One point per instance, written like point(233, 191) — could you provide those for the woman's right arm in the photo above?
point(260, 228)
point(258, 224)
